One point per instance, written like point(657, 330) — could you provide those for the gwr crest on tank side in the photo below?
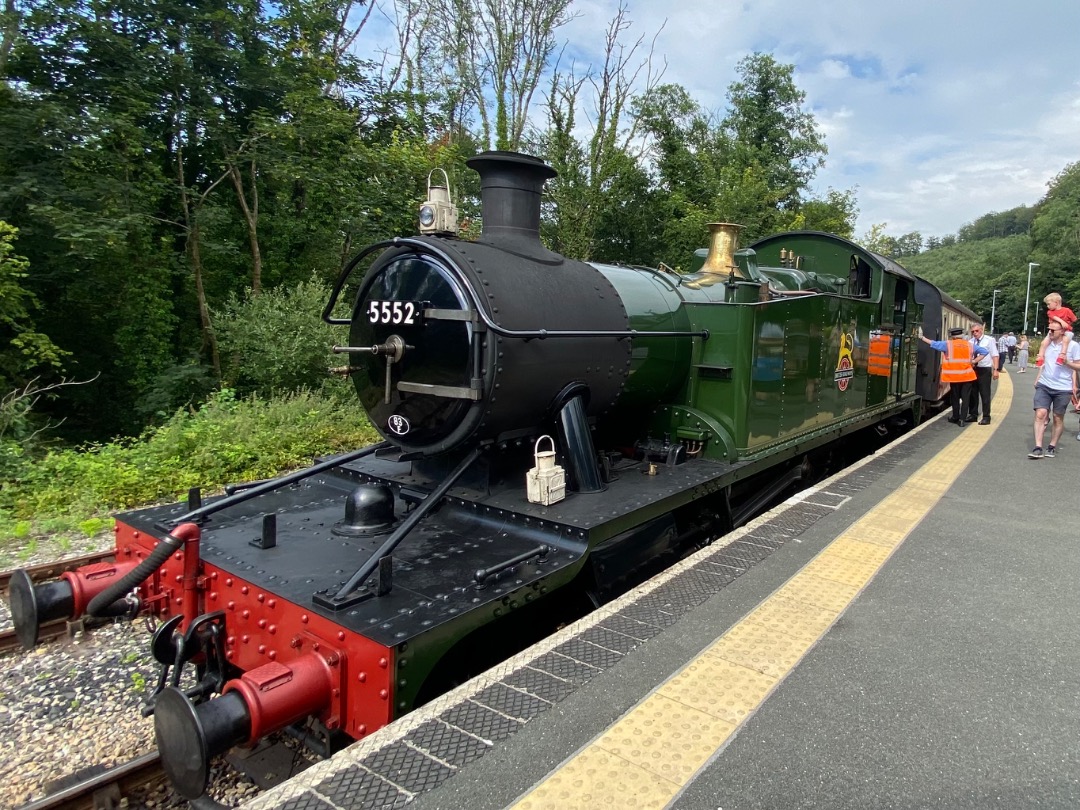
point(845, 368)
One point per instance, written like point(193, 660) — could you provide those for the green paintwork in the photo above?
point(778, 371)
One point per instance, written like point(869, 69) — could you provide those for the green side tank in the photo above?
point(810, 336)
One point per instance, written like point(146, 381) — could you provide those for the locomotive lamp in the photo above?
point(438, 214)
point(546, 482)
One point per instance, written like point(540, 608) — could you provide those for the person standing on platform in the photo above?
point(1055, 311)
point(1003, 350)
point(956, 368)
point(1022, 347)
point(985, 370)
point(1054, 388)
point(1010, 342)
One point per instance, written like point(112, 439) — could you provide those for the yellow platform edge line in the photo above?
point(654, 750)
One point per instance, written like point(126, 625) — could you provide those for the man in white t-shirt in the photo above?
point(1054, 388)
point(986, 370)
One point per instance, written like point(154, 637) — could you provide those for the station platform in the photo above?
point(902, 635)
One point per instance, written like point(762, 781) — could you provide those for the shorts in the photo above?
point(1047, 397)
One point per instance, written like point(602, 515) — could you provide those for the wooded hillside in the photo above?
point(164, 166)
point(180, 180)
point(993, 253)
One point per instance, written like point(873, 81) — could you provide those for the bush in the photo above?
point(277, 341)
point(227, 440)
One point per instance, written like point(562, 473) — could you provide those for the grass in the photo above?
point(69, 495)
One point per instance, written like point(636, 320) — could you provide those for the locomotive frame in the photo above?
point(681, 406)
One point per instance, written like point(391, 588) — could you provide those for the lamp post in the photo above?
point(1027, 298)
point(993, 311)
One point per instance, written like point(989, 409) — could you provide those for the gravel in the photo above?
point(68, 706)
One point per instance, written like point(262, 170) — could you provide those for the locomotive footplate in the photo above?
point(474, 550)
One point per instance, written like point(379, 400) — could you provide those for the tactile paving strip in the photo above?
point(356, 787)
point(305, 801)
point(565, 668)
point(610, 639)
point(673, 732)
point(514, 703)
point(406, 767)
point(544, 686)
point(480, 721)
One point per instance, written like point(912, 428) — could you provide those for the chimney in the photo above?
point(510, 188)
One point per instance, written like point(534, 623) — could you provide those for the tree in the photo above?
point(836, 213)
point(25, 352)
point(599, 197)
point(1055, 237)
point(878, 241)
point(770, 128)
point(497, 50)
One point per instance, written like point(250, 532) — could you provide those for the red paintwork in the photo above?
point(352, 687)
point(278, 695)
point(90, 580)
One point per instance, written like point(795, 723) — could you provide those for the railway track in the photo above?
point(104, 789)
point(38, 573)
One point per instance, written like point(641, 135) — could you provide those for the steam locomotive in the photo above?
point(555, 431)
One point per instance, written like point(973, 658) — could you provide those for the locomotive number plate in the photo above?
point(407, 313)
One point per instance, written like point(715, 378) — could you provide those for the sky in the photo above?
point(934, 111)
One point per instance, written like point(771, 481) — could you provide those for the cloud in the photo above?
point(937, 112)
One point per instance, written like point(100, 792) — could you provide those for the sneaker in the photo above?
point(1078, 437)
point(1036, 453)
point(1050, 451)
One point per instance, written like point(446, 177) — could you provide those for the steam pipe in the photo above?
point(66, 598)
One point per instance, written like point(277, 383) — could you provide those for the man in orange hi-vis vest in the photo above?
point(956, 368)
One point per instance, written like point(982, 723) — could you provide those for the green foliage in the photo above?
point(753, 167)
point(770, 128)
point(971, 271)
point(1055, 238)
point(836, 213)
point(24, 351)
point(175, 386)
point(277, 341)
point(1046, 237)
point(998, 225)
point(227, 440)
point(877, 240)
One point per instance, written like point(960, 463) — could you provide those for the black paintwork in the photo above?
point(434, 567)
